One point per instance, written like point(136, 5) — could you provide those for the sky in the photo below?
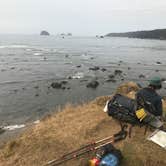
point(81, 17)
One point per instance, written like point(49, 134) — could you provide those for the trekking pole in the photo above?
point(90, 145)
point(87, 148)
point(80, 154)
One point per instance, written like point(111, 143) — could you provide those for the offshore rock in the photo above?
point(44, 33)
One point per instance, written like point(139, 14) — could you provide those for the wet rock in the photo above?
point(111, 76)
point(67, 55)
point(118, 72)
point(93, 84)
point(158, 63)
point(36, 87)
point(83, 80)
point(141, 76)
point(1, 130)
point(103, 69)
point(64, 82)
point(16, 90)
point(56, 85)
point(69, 77)
point(94, 68)
point(37, 95)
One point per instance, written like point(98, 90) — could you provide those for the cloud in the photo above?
point(80, 16)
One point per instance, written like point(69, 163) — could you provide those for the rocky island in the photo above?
point(151, 34)
point(44, 33)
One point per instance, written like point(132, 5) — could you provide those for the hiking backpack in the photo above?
point(123, 108)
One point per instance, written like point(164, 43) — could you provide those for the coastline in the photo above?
point(74, 126)
point(30, 65)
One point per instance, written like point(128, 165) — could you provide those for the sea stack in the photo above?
point(44, 33)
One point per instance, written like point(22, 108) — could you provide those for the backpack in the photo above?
point(142, 103)
point(123, 108)
point(107, 149)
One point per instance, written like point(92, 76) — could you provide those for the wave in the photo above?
point(78, 75)
point(37, 53)
point(20, 126)
point(14, 127)
point(13, 46)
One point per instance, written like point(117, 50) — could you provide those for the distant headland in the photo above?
point(147, 34)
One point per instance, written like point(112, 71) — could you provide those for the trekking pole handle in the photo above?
point(120, 136)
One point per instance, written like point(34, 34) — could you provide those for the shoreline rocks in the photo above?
point(93, 84)
point(118, 72)
point(95, 68)
point(59, 85)
point(141, 76)
point(56, 85)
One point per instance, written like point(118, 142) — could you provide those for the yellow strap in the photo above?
point(141, 114)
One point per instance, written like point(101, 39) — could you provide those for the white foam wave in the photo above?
point(28, 49)
point(13, 127)
point(37, 53)
point(36, 122)
point(78, 75)
point(13, 46)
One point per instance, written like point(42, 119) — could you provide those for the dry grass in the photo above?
point(73, 127)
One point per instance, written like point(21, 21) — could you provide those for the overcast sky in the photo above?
point(81, 17)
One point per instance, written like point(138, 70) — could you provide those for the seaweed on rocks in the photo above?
point(93, 84)
point(118, 72)
point(56, 85)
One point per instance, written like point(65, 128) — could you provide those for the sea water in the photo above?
point(29, 64)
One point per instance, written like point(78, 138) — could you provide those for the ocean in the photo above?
point(29, 64)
